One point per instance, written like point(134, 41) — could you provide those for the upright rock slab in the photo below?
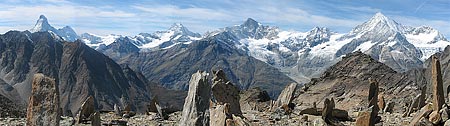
point(225, 92)
point(43, 107)
point(196, 105)
point(86, 110)
point(286, 95)
point(436, 80)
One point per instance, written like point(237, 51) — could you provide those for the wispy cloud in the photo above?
point(133, 17)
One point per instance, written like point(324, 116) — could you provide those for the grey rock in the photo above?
point(95, 119)
point(196, 105)
point(287, 95)
point(219, 115)
point(225, 92)
point(87, 109)
point(422, 113)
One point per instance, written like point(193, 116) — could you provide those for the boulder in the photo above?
point(95, 119)
point(286, 95)
point(327, 111)
point(423, 112)
point(86, 110)
point(117, 110)
point(444, 113)
point(43, 107)
point(364, 119)
point(196, 105)
point(225, 92)
point(447, 123)
point(414, 105)
point(389, 107)
point(435, 117)
point(368, 117)
point(373, 94)
point(436, 80)
point(219, 115)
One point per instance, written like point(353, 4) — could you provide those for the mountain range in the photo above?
point(300, 55)
point(162, 56)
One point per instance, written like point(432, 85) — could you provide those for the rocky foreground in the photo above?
point(356, 91)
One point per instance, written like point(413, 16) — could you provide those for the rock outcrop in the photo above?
point(436, 80)
point(287, 95)
point(86, 111)
point(219, 115)
point(196, 106)
point(225, 92)
point(43, 108)
point(254, 99)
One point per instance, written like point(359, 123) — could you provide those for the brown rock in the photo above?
point(423, 112)
point(225, 92)
point(364, 119)
point(43, 107)
point(286, 95)
point(95, 119)
point(381, 102)
point(240, 121)
point(196, 105)
point(87, 109)
point(436, 80)
point(435, 117)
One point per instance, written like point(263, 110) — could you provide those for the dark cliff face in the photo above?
point(79, 70)
point(173, 67)
point(348, 82)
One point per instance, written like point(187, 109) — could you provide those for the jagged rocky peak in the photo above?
point(181, 29)
point(251, 23)
point(42, 25)
point(318, 35)
point(253, 29)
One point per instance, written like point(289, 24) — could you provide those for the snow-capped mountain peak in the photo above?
point(178, 28)
point(67, 33)
point(42, 25)
point(378, 23)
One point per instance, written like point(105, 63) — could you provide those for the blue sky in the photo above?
point(104, 17)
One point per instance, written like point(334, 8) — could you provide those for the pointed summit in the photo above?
point(179, 28)
point(379, 23)
point(250, 23)
point(42, 25)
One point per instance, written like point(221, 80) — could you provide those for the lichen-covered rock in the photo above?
point(43, 107)
point(196, 105)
